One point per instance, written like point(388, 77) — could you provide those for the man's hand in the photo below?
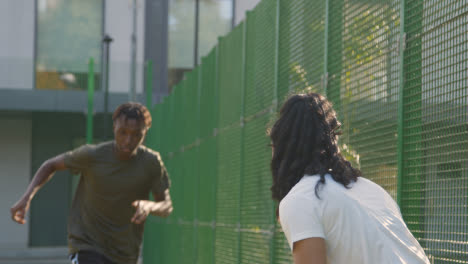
point(143, 209)
point(19, 209)
point(44, 173)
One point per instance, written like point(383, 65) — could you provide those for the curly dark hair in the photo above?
point(305, 141)
point(132, 110)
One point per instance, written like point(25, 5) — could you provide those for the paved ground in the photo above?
point(34, 256)
point(36, 261)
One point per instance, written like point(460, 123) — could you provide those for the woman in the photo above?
point(329, 213)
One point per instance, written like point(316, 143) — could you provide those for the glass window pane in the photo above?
point(68, 34)
point(181, 39)
point(181, 33)
point(215, 20)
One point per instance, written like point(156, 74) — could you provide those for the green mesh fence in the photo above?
point(397, 74)
point(435, 137)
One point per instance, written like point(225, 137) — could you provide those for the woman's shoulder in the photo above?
point(301, 202)
point(293, 203)
point(303, 191)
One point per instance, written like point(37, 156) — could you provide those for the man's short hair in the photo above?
point(132, 110)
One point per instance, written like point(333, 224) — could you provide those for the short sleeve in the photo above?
point(300, 219)
point(78, 159)
point(162, 181)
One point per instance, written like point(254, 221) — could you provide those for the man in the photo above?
point(111, 202)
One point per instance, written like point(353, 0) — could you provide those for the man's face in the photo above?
point(128, 135)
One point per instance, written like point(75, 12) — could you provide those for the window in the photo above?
point(68, 34)
point(214, 20)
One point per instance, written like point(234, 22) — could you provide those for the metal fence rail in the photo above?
point(397, 73)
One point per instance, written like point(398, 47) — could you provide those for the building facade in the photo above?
point(45, 48)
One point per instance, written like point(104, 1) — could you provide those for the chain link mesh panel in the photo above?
point(369, 88)
point(301, 46)
point(396, 73)
point(435, 182)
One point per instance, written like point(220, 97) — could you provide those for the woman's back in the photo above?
point(362, 224)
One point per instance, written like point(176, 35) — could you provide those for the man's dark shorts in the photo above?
point(89, 257)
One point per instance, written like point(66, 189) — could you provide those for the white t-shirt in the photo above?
point(361, 225)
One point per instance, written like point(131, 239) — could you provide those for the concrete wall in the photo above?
point(16, 44)
point(118, 25)
point(241, 7)
point(15, 161)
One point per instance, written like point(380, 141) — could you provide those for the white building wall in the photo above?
point(16, 44)
point(243, 6)
point(15, 161)
point(118, 24)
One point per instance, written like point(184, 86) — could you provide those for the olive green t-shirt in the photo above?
point(100, 217)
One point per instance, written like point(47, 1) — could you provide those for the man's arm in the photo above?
point(161, 207)
point(44, 173)
point(310, 251)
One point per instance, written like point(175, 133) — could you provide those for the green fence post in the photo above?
point(242, 125)
point(215, 178)
point(89, 123)
point(274, 108)
point(400, 101)
point(411, 182)
point(325, 51)
point(277, 40)
point(197, 157)
point(149, 84)
point(334, 54)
